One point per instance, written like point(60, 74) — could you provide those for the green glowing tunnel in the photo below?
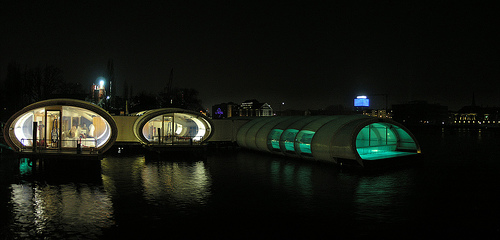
point(329, 138)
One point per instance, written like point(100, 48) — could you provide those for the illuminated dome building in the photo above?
point(59, 124)
point(329, 138)
point(172, 126)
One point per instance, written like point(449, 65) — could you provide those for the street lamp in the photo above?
point(102, 89)
point(101, 82)
point(102, 92)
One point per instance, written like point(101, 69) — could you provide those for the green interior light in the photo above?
point(379, 141)
point(304, 139)
point(274, 138)
point(288, 139)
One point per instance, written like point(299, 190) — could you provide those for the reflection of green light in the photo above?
point(376, 192)
point(24, 166)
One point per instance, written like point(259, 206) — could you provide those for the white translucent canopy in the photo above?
point(328, 138)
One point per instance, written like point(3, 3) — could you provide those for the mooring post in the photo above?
point(35, 128)
point(159, 135)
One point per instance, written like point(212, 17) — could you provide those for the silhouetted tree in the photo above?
point(71, 89)
point(186, 98)
point(126, 92)
point(13, 91)
point(41, 84)
point(143, 101)
point(189, 99)
point(337, 109)
point(53, 82)
point(23, 87)
point(110, 77)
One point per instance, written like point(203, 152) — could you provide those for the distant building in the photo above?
point(251, 108)
point(330, 110)
point(381, 113)
point(248, 108)
point(420, 113)
point(225, 110)
point(476, 116)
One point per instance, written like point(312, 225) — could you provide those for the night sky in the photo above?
point(307, 54)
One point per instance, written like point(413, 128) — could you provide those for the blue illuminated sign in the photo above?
point(361, 101)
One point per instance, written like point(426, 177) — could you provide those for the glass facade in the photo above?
point(384, 140)
point(303, 143)
point(274, 139)
point(376, 141)
point(288, 139)
point(175, 128)
point(61, 127)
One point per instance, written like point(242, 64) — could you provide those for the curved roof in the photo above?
point(48, 104)
point(146, 116)
point(327, 138)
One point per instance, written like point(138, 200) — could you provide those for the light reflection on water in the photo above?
point(183, 183)
point(41, 210)
point(378, 198)
point(135, 194)
point(158, 181)
point(292, 178)
point(246, 192)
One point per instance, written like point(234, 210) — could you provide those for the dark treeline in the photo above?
point(24, 85)
point(185, 98)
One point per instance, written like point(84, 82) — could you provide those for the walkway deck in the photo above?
point(185, 152)
point(59, 154)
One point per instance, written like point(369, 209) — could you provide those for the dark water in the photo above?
point(453, 192)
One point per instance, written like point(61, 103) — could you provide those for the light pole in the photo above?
point(102, 88)
point(102, 92)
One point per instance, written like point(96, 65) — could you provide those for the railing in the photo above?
point(85, 143)
point(176, 140)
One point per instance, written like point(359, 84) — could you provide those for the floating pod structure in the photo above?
point(172, 126)
point(329, 138)
point(61, 124)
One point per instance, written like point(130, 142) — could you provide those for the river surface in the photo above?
point(453, 191)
